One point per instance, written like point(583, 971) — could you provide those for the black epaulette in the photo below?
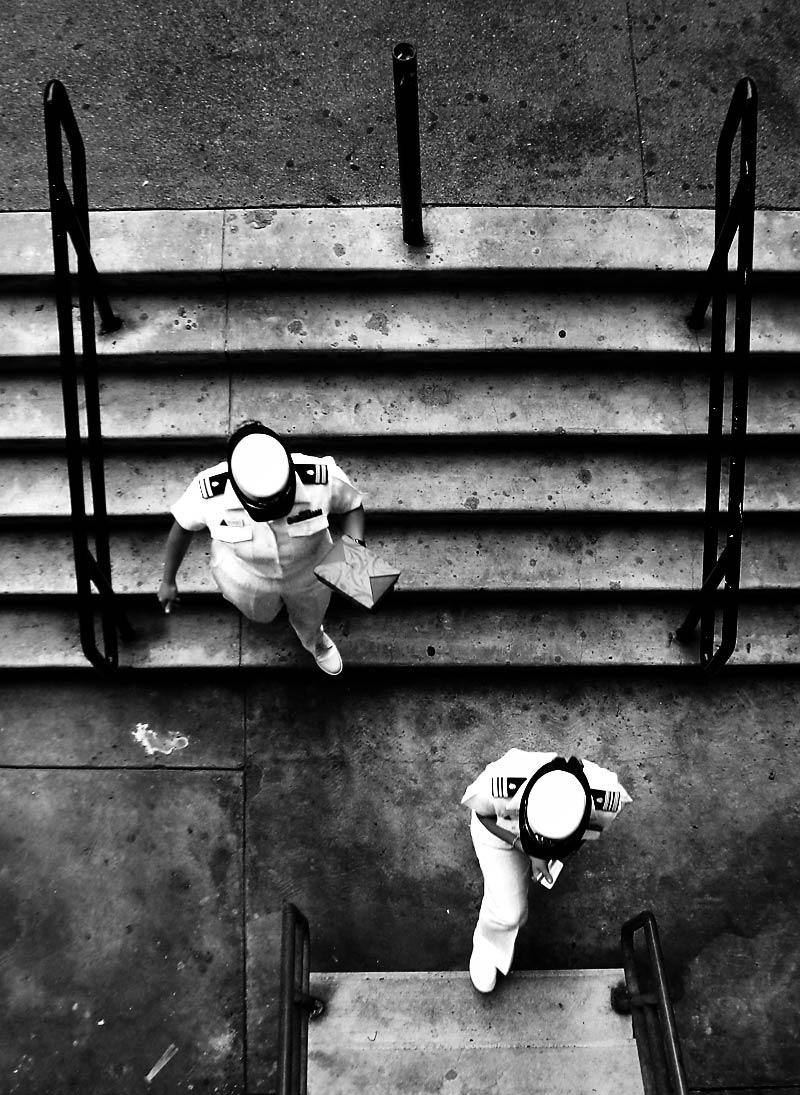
point(506, 786)
point(212, 486)
point(313, 475)
point(607, 801)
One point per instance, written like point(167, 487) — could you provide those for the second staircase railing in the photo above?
point(650, 1007)
point(297, 1005)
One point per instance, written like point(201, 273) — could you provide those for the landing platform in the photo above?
point(545, 1032)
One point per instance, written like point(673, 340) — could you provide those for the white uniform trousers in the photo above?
point(504, 908)
point(306, 604)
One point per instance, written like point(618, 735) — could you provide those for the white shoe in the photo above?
point(482, 972)
point(327, 656)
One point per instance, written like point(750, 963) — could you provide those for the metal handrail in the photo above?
point(297, 1005)
point(69, 218)
point(653, 1019)
point(730, 216)
point(406, 104)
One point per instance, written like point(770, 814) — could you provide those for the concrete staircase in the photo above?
point(397, 1033)
point(521, 403)
point(523, 407)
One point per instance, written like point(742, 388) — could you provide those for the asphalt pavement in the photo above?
point(225, 103)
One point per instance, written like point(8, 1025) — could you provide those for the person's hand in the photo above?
point(541, 866)
point(167, 595)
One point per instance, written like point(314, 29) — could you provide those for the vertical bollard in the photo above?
point(406, 103)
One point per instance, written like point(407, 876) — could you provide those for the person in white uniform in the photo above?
point(267, 512)
point(530, 812)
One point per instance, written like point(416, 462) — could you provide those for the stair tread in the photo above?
point(493, 632)
point(443, 557)
point(458, 238)
point(453, 479)
point(205, 325)
point(537, 400)
point(377, 1011)
point(417, 1031)
point(599, 1070)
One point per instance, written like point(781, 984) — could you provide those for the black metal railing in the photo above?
point(297, 1005)
point(406, 105)
point(69, 215)
point(651, 1009)
point(732, 215)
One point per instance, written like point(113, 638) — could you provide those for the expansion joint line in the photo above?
point(243, 902)
point(636, 100)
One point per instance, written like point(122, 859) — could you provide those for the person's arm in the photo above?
point(508, 837)
point(352, 523)
point(542, 866)
point(177, 545)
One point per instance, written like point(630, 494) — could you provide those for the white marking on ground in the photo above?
point(153, 742)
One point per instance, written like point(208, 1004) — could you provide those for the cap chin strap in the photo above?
point(543, 847)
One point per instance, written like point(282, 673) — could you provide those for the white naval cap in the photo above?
point(556, 805)
point(260, 465)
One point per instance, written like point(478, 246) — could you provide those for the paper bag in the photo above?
point(357, 573)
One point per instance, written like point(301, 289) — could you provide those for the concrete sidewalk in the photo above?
point(559, 103)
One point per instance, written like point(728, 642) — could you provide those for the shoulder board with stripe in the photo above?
point(212, 486)
point(607, 801)
point(506, 786)
point(313, 475)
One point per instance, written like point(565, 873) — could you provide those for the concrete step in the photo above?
point(197, 327)
point(202, 326)
point(455, 478)
point(445, 557)
point(360, 399)
point(414, 1032)
point(483, 390)
point(494, 631)
point(223, 244)
point(546, 1008)
point(484, 1071)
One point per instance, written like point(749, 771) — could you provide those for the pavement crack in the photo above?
point(636, 99)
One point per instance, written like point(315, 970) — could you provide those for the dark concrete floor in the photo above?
point(343, 797)
point(221, 103)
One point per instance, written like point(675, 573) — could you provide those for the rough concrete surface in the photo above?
point(392, 884)
point(356, 818)
point(224, 103)
point(119, 920)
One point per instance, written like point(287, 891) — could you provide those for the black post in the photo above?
point(406, 104)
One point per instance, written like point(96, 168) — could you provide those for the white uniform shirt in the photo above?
point(497, 791)
point(271, 554)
